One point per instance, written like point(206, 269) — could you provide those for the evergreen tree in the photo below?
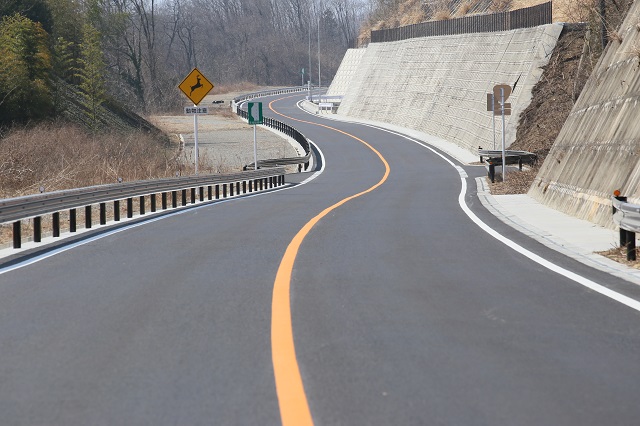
point(25, 68)
point(92, 75)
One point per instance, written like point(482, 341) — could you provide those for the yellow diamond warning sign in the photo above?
point(195, 86)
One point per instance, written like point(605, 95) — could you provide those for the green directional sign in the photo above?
point(254, 110)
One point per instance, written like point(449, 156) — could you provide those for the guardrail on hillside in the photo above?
point(521, 18)
point(627, 217)
point(218, 186)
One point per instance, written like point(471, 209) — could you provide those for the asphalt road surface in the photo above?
point(366, 296)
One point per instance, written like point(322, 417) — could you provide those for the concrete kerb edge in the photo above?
point(593, 260)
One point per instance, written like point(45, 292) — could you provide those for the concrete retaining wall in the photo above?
point(438, 85)
point(347, 70)
point(598, 148)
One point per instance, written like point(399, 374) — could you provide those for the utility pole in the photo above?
point(319, 18)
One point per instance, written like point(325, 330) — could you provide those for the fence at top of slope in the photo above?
point(521, 18)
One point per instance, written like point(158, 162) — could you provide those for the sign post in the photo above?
point(502, 92)
point(195, 86)
point(254, 115)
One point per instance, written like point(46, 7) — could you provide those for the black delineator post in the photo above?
point(72, 220)
point(17, 234)
point(103, 213)
point(56, 224)
point(87, 217)
point(627, 238)
point(37, 229)
point(129, 207)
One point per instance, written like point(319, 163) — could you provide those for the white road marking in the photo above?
point(106, 234)
point(592, 285)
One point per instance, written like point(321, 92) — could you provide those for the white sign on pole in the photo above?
point(196, 110)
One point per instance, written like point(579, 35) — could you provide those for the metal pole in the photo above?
point(319, 16)
point(195, 137)
point(504, 165)
point(255, 149)
point(493, 113)
point(309, 45)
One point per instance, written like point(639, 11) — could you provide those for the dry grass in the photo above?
point(464, 8)
point(500, 5)
point(442, 15)
point(63, 156)
point(243, 86)
point(619, 254)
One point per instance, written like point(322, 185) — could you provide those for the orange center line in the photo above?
point(294, 408)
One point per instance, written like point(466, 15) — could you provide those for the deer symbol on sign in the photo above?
point(195, 86)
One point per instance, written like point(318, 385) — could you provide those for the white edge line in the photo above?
point(599, 288)
point(106, 234)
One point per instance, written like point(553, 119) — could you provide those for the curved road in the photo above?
point(365, 296)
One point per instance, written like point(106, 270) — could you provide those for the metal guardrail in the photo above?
point(627, 217)
point(287, 130)
point(493, 158)
point(35, 206)
point(272, 92)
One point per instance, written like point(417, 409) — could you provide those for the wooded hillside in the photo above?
point(137, 51)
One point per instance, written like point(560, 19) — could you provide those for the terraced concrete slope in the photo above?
point(347, 70)
point(438, 85)
point(597, 150)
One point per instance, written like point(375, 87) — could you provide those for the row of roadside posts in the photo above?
point(496, 103)
point(196, 86)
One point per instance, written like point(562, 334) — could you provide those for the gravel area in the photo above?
point(225, 141)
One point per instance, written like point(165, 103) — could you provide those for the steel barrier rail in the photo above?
point(34, 206)
point(270, 93)
point(287, 130)
point(627, 217)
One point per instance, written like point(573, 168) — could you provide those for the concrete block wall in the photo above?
point(598, 148)
point(346, 71)
point(438, 85)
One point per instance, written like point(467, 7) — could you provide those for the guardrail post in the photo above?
point(129, 207)
point(224, 190)
point(37, 229)
point(193, 195)
point(237, 188)
point(56, 224)
point(231, 189)
point(174, 199)
point(103, 213)
point(164, 200)
point(209, 193)
point(244, 186)
point(201, 193)
point(184, 197)
point(72, 220)
point(153, 203)
point(142, 205)
point(631, 246)
point(17, 234)
point(217, 192)
point(116, 210)
point(87, 217)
